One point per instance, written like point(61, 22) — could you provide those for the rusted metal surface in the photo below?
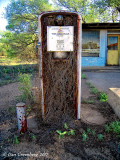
point(21, 117)
point(60, 79)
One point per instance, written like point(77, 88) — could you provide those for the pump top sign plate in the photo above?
point(60, 38)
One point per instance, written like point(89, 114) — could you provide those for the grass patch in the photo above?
point(91, 101)
point(10, 74)
point(90, 85)
point(94, 91)
point(14, 61)
point(83, 76)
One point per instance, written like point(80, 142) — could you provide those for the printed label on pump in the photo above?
point(60, 38)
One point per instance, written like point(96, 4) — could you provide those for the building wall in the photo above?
point(101, 60)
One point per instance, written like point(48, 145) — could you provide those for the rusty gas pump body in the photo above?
point(60, 35)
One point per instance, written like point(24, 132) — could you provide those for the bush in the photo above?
point(25, 87)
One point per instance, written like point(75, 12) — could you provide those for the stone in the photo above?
point(91, 116)
point(114, 100)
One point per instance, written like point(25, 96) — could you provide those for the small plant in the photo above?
point(83, 76)
point(33, 137)
point(25, 87)
point(8, 140)
point(90, 85)
point(93, 132)
point(65, 125)
point(103, 97)
point(107, 128)
point(100, 137)
point(12, 110)
point(88, 101)
point(94, 90)
point(71, 132)
point(61, 134)
point(15, 140)
point(84, 136)
point(115, 127)
point(88, 130)
point(28, 110)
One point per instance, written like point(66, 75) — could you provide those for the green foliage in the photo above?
point(93, 11)
point(93, 132)
point(71, 132)
point(15, 140)
point(25, 86)
point(80, 6)
point(90, 85)
point(22, 16)
point(84, 136)
point(61, 134)
point(12, 110)
point(33, 137)
point(100, 137)
point(113, 127)
point(103, 97)
point(65, 125)
point(94, 90)
point(108, 10)
point(28, 110)
point(9, 74)
point(83, 76)
point(107, 128)
point(88, 130)
point(91, 101)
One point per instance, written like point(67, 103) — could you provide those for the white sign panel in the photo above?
point(60, 38)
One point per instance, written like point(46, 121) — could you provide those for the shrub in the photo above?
point(113, 127)
point(25, 87)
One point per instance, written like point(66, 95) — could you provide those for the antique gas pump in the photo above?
point(60, 35)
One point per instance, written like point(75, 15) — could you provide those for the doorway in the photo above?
point(113, 50)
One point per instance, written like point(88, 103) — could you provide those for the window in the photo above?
point(90, 43)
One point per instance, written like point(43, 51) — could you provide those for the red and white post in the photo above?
point(21, 117)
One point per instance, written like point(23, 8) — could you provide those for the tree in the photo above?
point(112, 7)
point(80, 6)
point(22, 16)
point(93, 10)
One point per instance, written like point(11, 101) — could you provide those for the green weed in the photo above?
point(83, 76)
point(61, 134)
point(84, 136)
point(113, 127)
point(88, 130)
point(103, 97)
point(33, 137)
point(107, 128)
point(15, 140)
point(25, 87)
point(28, 110)
point(100, 137)
point(94, 90)
point(71, 132)
point(93, 132)
point(89, 101)
point(12, 110)
point(90, 85)
point(65, 125)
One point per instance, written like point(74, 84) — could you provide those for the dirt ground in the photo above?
point(42, 142)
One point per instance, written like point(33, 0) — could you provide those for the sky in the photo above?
point(3, 21)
